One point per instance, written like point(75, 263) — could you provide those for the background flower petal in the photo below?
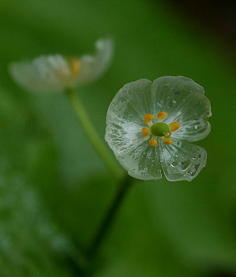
point(184, 101)
point(43, 74)
point(92, 66)
point(182, 160)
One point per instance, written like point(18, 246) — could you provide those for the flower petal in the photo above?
point(185, 102)
point(125, 116)
point(123, 131)
point(182, 160)
point(142, 162)
point(131, 103)
point(91, 67)
point(123, 136)
point(193, 130)
point(43, 74)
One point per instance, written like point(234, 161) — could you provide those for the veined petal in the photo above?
point(43, 74)
point(124, 120)
point(185, 102)
point(182, 160)
point(131, 103)
point(132, 150)
point(123, 136)
point(123, 131)
point(92, 66)
point(193, 130)
point(142, 162)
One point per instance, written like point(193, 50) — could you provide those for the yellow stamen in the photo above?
point(153, 142)
point(75, 68)
point(162, 115)
point(167, 140)
point(148, 118)
point(145, 131)
point(174, 126)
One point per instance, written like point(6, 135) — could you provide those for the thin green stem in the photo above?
point(86, 266)
point(89, 129)
point(76, 262)
point(124, 185)
point(110, 216)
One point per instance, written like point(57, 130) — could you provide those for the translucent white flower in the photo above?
point(150, 125)
point(55, 73)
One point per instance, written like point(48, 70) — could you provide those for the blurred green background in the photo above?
point(53, 187)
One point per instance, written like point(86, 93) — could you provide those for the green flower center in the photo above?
point(160, 129)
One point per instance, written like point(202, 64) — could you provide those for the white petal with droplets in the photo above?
point(125, 116)
point(182, 160)
point(142, 162)
point(123, 131)
point(185, 102)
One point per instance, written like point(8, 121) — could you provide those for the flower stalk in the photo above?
point(92, 135)
point(110, 216)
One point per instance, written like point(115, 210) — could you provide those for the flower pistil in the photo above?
point(159, 129)
point(74, 68)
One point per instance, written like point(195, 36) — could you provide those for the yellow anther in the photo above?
point(148, 118)
point(162, 115)
point(153, 142)
point(145, 131)
point(75, 68)
point(174, 126)
point(167, 140)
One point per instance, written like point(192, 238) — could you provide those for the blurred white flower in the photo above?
point(55, 73)
point(148, 124)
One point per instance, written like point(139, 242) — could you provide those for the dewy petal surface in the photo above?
point(182, 160)
point(125, 116)
point(185, 102)
point(142, 162)
point(123, 131)
point(128, 107)
point(92, 66)
point(43, 74)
